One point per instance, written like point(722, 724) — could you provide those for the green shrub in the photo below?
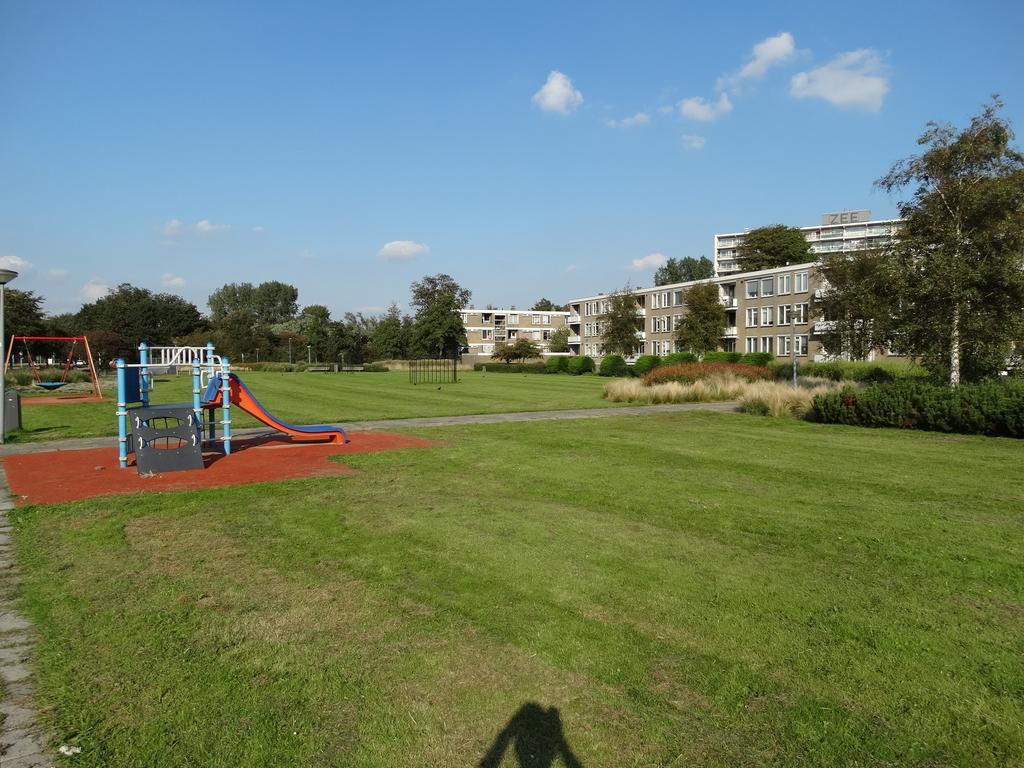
point(557, 364)
point(645, 364)
point(756, 407)
point(990, 408)
point(679, 357)
point(865, 371)
point(499, 367)
point(580, 365)
point(614, 365)
point(722, 357)
point(375, 368)
point(756, 358)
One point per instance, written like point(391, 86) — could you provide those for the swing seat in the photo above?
point(50, 385)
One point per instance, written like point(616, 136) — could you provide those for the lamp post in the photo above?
point(290, 350)
point(6, 275)
point(257, 354)
point(792, 340)
point(309, 354)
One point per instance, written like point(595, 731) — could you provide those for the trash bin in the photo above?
point(12, 410)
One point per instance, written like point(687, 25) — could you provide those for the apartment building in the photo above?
point(838, 232)
point(486, 328)
point(767, 311)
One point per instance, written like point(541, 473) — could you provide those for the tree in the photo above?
point(315, 325)
point(547, 305)
point(856, 303)
point(521, 349)
point(389, 341)
point(271, 303)
point(559, 341)
point(620, 324)
point(703, 323)
point(137, 315)
point(957, 265)
point(773, 246)
point(684, 270)
point(439, 330)
point(23, 313)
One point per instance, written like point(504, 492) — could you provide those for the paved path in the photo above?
point(22, 741)
point(428, 421)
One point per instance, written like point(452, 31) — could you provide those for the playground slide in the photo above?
point(243, 398)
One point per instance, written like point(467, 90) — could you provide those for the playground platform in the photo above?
point(56, 477)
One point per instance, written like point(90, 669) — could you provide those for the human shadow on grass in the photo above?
point(537, 737)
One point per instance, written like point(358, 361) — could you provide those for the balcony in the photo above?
point(573, 319)
point(729, 332)
point(824, 325)
point(641, 335)
point(641, 312)
point(574, 339)
point(729, 302)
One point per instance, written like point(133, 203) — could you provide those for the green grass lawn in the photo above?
point(686, 589)
point(313, 398)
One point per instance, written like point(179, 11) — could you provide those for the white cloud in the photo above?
point(402, 250)
point(173, 228)
point(56, 274)
point(93, 290)
point(698, 108)
point(640, 118)
point(558, 94)
point(206, 226)
point(16, 263)
point(258, 228)
point(167, 280)
point(650, 261)
point(768, 53)
point(570, 269)
point(856, 79)
point(692, 141)
point(667, 109)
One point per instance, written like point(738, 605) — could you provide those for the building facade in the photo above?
point(838, 232)
point(486, 328)
point(766, 311)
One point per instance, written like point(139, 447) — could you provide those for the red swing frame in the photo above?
point(67, 363)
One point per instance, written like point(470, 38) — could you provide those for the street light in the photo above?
point(290, 350)
point(257, 354)
point(309, 354)
point(6, 275)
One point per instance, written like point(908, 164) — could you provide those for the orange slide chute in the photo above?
point(242, 398)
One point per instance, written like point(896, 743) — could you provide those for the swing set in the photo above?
point(72, 342)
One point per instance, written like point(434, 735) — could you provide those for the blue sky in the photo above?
point(526, 149)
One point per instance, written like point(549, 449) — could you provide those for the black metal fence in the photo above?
point(442, 371)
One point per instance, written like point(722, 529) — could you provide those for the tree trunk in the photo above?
point(954, 347)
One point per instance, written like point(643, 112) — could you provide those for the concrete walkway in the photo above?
point(75, 444)
point(22, 740)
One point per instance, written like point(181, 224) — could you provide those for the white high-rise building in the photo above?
point(840, 231)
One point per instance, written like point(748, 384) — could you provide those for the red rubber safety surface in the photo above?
point(56, 477)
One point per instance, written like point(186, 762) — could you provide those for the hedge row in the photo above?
point(992, 408)
point(22, 377)
point(499, 367)
point(851, 370)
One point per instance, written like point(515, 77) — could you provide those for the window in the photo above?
point(488, 348)
point(751, 344)
point(768, 286)
point(752, 317)
point(512, 334)
point(799, 314)
point(766, 315)
point(751, 289)
point(546, 319)
point(801, 345)
point(766, 344)
point(535, 319)
point(485, 334)
point(677, 299)
point(785, 314)
point(785, 283)
point(783, 345)
point(513, 319)
point(536, 335)
point(801, 282)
